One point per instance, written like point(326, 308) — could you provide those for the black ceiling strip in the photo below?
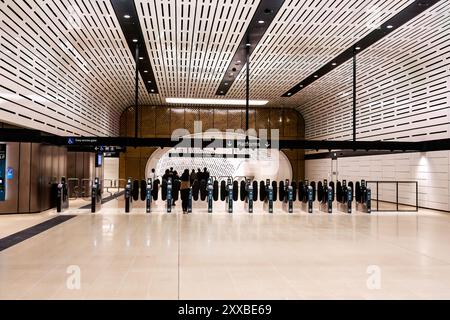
point(387, 27)
point(26, 135)
point(347, 153)
point(128, 18)
point(264, 14)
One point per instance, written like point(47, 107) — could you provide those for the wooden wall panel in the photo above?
point(160, 121)
point(162, 128)
point(251, 118)
point(176, 119)
point(262, 118)
point(220, 119)
point(290, 123)
point(132, 167)
point(234, 119)
point(147, 129)
point(276, 120)
point(191, 115)
point(206, 117)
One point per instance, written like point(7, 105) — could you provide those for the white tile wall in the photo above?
point(430, 169)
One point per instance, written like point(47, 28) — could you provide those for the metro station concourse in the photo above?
point(229, 150)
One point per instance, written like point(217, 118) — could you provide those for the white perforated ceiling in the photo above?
point(403, 87)
point(66, 67)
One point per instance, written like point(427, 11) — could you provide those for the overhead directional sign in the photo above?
point(25, 135)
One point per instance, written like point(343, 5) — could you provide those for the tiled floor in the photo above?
point(222, 256)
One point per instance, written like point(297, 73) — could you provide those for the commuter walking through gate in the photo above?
point(184, 187)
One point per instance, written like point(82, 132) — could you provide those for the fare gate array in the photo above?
point(329, 196)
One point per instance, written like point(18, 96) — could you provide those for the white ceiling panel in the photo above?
point(66, 67)
point(403, 87)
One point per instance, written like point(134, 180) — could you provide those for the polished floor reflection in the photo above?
point(113, 255)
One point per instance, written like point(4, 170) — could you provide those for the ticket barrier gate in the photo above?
point(128, 196)
point(189, 206)
point(169, 196)
point(210, 195)
point(249, 198)
point(268, 201)
point(344, 197)
point(62, 196)
point(288, 199)
point(96, 196)
point(349, 199)
point(363, 198)
point(308, 198)
point(148, 196)
point(229, 197)
point(327, 200)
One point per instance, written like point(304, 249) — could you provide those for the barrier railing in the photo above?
point(388, 198)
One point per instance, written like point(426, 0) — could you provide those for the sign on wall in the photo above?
point(2, 171)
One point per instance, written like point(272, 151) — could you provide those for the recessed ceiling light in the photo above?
point(135, 40)
point(152, 90)
point(248, 44)
point(334, 63)
point(221, 92)
point(261, 21)
point(145, 71)
point(301, 86)
point(215, 101)
point(127, 16)
point(389, 26)
point(238, 62)
point(226, 83)
point(149, 81)
point(316, 76)
point(289, 93)
point(141, 58)
point(357, 48)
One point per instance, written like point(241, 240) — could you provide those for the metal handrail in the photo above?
point(396, 194)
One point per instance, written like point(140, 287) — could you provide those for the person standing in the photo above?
point(175, 186)
point(193, 176)
point(205, 174)
point(184, 187)
point(199, 175)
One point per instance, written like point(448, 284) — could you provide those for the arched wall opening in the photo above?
point(261, 164)
point(160, 122)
